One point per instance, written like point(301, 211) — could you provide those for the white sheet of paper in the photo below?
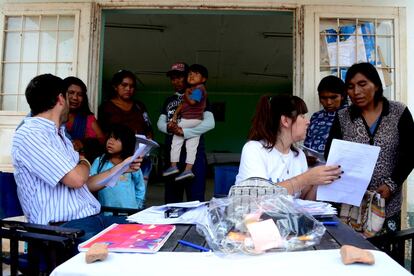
point(155, 214)
point(358, 162)
point(142, 147)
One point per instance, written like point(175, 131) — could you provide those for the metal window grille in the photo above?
point(34, 45)
point(344, 42)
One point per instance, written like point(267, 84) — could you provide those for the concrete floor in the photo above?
point(155, 192)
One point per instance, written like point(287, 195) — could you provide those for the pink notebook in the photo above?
point(141, 238)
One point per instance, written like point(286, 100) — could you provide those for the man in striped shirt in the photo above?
point(51, 177)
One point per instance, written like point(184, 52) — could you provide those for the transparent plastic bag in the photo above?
point(226, 225)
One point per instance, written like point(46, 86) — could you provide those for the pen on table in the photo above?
point(199, 247)
point(330, 223)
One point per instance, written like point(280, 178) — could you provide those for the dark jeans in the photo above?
point(193, 188)
point(93, 225)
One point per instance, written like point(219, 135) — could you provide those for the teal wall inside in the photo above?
point(227, 136)
point(248, 70)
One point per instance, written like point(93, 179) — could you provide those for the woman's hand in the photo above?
point(322, 175)
point(135, 165)
point(384, 191)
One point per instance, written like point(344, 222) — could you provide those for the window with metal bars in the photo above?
point(344, 42)
point(34, 45)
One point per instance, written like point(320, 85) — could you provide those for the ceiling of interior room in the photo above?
point(244, 52)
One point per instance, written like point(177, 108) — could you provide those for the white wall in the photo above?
point(289, 3)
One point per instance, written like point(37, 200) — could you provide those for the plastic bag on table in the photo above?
point(258, 217)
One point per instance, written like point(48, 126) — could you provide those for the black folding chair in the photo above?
point(47, 246)
point(394, 244)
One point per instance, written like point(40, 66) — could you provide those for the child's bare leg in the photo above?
point(188, 167)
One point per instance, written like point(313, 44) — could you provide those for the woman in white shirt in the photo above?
point(270, 153)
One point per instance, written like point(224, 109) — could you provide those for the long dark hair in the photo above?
point(84, 107)
point(119, 76)
point(127, 137)
point(370, 72)
point(269, 110)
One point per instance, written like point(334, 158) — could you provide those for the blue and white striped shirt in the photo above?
point(42, 156)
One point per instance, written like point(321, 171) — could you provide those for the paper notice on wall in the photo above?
point(349, 49)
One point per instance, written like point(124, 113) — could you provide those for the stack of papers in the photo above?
point(315, 208)
point(196, 212)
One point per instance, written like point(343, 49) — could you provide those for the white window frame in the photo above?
point(311, 50)
point(311, 54)
point(83, 13)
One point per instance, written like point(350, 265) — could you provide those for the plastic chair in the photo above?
point(224, 178)
point(9, 203)
point(47, 246)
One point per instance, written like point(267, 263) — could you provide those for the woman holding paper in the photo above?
point(278, 123)
point(374, 120)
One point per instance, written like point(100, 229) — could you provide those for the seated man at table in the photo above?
point(51, 177)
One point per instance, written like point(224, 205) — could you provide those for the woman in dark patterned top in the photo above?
point(374, 120)
point(332, 96)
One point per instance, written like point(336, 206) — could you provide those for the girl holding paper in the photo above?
point(278, 123)
point(129, 191)
point(374, 120)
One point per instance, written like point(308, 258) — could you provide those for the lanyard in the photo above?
point(372, 135)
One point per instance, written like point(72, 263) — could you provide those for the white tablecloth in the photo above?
point(318, 263)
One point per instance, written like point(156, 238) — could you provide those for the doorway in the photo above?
point(247, 53)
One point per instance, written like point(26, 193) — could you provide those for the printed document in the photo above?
point(155, 214)
point(358, 162)
point(142, 147)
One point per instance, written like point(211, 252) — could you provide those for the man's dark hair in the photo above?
point(42, 92)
